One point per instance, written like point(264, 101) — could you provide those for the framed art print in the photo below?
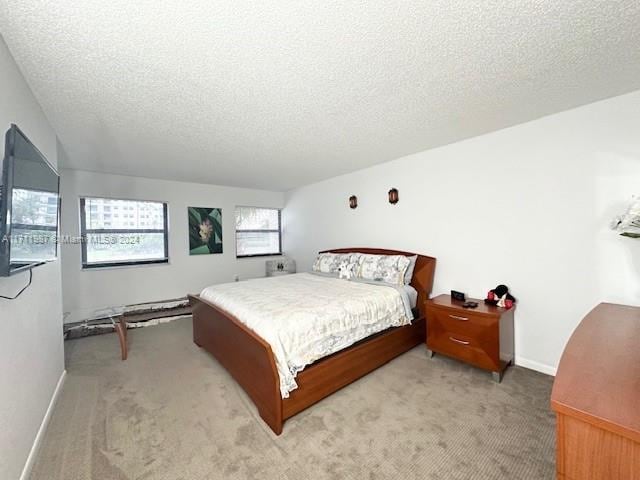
point(205, 230)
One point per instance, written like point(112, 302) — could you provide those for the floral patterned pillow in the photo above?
point(330, 262)
point(384, 268)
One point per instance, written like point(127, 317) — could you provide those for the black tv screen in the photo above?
point(29, 205)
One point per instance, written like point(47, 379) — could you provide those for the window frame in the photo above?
point(253, 230)
point(122, 263)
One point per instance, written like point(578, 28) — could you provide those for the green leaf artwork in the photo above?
point(205, 230)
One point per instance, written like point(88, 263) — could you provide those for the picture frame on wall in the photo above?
point(205, 230)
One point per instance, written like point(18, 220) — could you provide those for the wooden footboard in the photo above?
point(245, 355)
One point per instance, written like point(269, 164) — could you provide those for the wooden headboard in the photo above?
point(422, 279)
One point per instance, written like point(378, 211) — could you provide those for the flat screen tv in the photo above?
point(29, 205)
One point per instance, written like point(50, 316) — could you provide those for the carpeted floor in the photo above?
point(171, 412)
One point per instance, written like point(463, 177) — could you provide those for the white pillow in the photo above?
point(409, 273)
point(384, 268)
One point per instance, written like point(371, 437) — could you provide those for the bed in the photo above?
point(257, 367)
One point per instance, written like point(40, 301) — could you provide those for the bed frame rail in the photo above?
point(332, 373)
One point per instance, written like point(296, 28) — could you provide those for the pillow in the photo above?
point(409, 273)
point(330, 262)
point(384, 268)
point(324, 263)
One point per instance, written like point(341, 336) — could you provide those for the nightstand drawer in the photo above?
point(462, 347)
point(463, 322)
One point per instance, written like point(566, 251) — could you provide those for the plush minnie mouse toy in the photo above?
point(347, 270)
point(500, 297)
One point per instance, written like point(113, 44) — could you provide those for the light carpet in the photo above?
point(171, 412)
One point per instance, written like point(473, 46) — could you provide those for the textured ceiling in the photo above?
point(284, 93)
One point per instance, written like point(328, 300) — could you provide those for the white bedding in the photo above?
point(305, 317)
point(412, 293)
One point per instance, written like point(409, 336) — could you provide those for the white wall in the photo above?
point(528, 206)
point(31, 352)
point(85, 291)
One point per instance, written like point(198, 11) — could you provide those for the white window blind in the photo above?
point(258, 231)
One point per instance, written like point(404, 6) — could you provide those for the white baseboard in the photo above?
point(537, 366)
point(26, 471)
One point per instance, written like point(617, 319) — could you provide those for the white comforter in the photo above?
point(305, 317)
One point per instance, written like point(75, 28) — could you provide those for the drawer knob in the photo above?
point(464, 319)
point(461, 342)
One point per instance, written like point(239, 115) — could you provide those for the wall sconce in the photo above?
point(393, 196)
point(353, 201)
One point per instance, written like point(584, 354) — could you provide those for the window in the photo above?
point(258, 231)
point(115, 242)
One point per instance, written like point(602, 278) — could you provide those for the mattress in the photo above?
point(305, 317)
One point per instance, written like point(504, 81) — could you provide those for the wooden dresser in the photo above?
point(481, 336)
point(596, 397)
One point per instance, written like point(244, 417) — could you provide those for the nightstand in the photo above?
point(480, 336)
point(281, 266)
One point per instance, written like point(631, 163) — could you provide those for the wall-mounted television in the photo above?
point(29, 206)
